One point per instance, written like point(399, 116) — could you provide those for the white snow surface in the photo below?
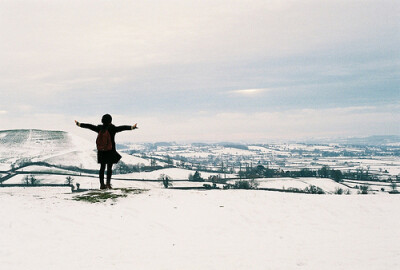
point(194, 154)
point(43, 169)
point(268, 151)
point(130, 159)
point(328, 185)
point(42, 228)
point(174, 173)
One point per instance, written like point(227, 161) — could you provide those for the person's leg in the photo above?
point(101, 175)
point(109, 173)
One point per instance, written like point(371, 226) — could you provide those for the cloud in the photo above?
point(3, 112)
point(132, 34)
point(173, 60)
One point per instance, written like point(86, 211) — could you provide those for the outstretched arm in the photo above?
point(122, 128)
point(88, 126)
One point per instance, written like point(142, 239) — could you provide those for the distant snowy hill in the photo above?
point(375, 140)
point(53, 147)
point(370, 140)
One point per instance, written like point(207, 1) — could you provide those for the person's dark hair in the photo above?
point(106, 119)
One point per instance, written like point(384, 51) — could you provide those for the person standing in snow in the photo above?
point(106, 151)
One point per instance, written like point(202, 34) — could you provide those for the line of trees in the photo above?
point(324, 172)
point(30, 180)
point(120, 168)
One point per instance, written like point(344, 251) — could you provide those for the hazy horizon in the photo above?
point(216, 70)
point(357, 140)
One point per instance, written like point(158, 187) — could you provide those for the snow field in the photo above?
point(87, 181)
point(193, 154)
point(175, 173)
point(173, 229)
point(328, 185)
point(43, 169)
point(232, 151)
point(129, 159)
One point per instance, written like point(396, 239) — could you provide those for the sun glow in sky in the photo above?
point(206, 70)
point(249, 92)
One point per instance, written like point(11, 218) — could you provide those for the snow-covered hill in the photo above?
point(52, 147)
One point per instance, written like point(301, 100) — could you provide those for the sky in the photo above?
point(209, 70)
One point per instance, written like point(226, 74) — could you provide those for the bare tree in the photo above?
point(394, 186)
point(26, 180)
point(69, 180)
point(34, 181)
point(166, 180)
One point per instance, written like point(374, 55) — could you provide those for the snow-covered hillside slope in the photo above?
point(52, 147)
point(43, 228)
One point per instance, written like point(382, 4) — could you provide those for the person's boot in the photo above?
point(108, 186)
point(102, 186)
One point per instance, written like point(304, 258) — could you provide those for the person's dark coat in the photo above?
point(112, 156)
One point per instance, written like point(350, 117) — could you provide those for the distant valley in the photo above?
point(59, 153)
